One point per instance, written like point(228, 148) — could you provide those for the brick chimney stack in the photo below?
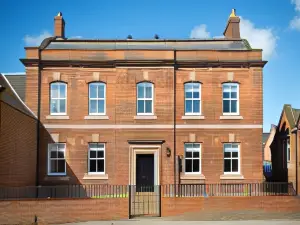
point(59, 26)
point(232, 29)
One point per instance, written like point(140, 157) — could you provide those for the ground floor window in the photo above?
point(56, 159)
point(96, 158)
point(192, 158)
point(231, 158)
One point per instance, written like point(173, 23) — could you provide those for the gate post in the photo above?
point(129, 200)
point(159, 207)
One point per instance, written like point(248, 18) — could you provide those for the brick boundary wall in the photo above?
point(171, 206)
point(62, 211)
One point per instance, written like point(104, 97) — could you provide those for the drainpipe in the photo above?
point(175, 68)
point(295, 131)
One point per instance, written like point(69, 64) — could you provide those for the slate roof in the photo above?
point(292, 114)
point(151, 44)
point(18, 82)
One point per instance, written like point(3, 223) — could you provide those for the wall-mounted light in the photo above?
point(168, 151)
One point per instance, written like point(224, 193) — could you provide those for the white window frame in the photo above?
point(288, 150)
point(230, 99)
point(239, 157)
point(49, 160)
point(144, 99)
point(192, 99)
point(89, 158)
point(97, 98)
point(58, 98)
point(192, 150)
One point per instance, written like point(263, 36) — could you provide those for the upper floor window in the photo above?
point(56, 159)
point(58, 101)
point(192, 98)
point(230, 99)
point(97, 98)
point(192, 158)
point(96, 158)
point(231, 158)
point(145, 98)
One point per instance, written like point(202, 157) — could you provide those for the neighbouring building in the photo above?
point(285, 147)
point(18, 135)
point(149, 112)
point(267, 162)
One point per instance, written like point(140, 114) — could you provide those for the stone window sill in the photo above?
point(95, 176)
point(229, 117)
point(142, 117)
point(57, 178)
point(232, 177)
point(184, 176)
point(96, 117)
point(57, 117)
point(192, 117)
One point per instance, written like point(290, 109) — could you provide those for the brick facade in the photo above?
point(121, 70)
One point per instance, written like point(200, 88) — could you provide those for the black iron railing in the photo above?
point(123, 191)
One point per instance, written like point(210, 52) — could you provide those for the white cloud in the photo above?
point(36, 40)
point(259, 38)
point(200, 32)
point(295, 23)
point(297, 4)
point(75, 37)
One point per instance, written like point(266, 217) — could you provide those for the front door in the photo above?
point(144, 172)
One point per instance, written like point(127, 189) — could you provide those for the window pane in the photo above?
point(148, 92)
point(196, 106)
point(100, 154)
point(61, 146)
point(100, 106)
point(227, 147)
point(234, 154)
point(62, 105)
point(235, 146)
point(233, 106)
point(188, 90)
point(100, 91)
point(227, 154)
point(140, 91)
point(93, 146)
point(60, 154)
point(227, 165)
point(234, 88)
point(226, 94)
point(54, 91)
point(197, 146)
point(93, 106)
point(188, 145)
point(93, 91)
point(188, 154)
point(100, 145)
point(61, 166)
point(93, 154)
point(53, 154)
point(54, 106)
point(196, 154)
point(196, 165)
point(196, 94)
point(100, 165)
point(148, 106)
point(226, 106)
point(233, 94)
point(235, 166)
point(196, 87)
point(226, 88)
point(53, 166)
point(188, 165)
point(140, 106)
point(188, 106)
point(62, 91)
point(93, 166)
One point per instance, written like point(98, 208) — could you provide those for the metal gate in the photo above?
point(144, 200)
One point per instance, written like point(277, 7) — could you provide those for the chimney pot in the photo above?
point(59, 26)
point(232, 29)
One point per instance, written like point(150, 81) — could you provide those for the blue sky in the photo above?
point(271, 25)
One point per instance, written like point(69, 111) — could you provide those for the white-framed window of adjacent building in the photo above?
point(145, 92)
point(231, 158)
point(57, 159)
point(192, 98)
point(58, 98)
point(288, 150)
point(96, 160)
point(192, 157)
point(231, 99)
point(97, 101)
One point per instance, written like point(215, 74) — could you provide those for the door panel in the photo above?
point(145, 172)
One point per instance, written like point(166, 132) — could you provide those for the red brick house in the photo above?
point(148, 112)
